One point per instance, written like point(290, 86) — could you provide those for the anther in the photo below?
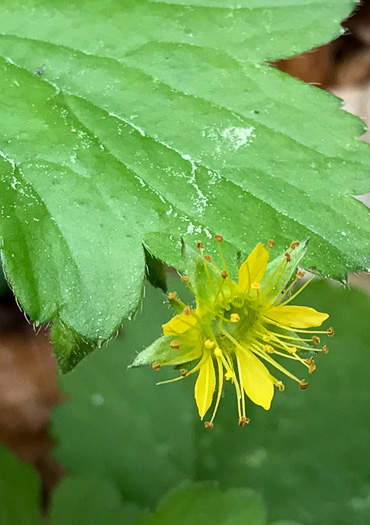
point(325, 349)
point(316, 339)
point(209, 344)
point(224, 274)
point(218, 351)
point(309, 361)
point(269, 349)
point(172, 296)
point(185, 279)
point(208, 425)
point(228, 375)
point(271, 243)
point(156, 365)
point(303, 384)
point(183, 372)
point(330, 331)
point(200, 245)
point(187, 310)
point(234, 318)
point(312, 368)
point(243, 421)
point(218, 237)
point(301, 274)
point(208, 258)
point(288, 257)
point(294, 245)
point(256, 286)
point(175, 345)
point(280, 386)
point(222, 335)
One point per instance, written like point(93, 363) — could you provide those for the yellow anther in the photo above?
point(269, 349)
point(256, 286)
point(218, 351)
point(183, 372)
point(234, 318)
point(312, 368)
point(303, 384)
point(208, 425)
point(185, 279)
point(280, 386)
point(209, 344)
point(294, 245)
point(271, 243)
point(187, 310)
point(243, 421)
point(325, 349)
point(316, 339)
point(156, 365)
point(228, 375)
point(172, 296)
point(175, 345)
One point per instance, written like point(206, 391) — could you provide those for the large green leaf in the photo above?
point(136, 122)
point(19, 491)
point(308, 456)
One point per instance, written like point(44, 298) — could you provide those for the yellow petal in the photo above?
point(257, 381)
point(205, 387)
point(179, 324)
point(253, 268)
point(296, 316)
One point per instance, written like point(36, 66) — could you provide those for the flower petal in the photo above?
point(253, 268)
point(179, 324)
point(257, 381)
point(296, 316)
point(205, 386)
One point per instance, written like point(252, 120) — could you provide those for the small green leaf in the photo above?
point(19, 491)
point(155, 271)
point(90, 501)
point(202, 503)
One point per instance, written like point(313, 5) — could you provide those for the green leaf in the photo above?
point(19, 491)
point(202, 503)
point(308, 455)
point(90, 501)
point(167, 124)
point(155, 271)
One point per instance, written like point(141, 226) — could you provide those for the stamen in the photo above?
point(316, 339)
point(325, 349)
point(172, 296)
point(280, 386)
point(330, 331)
point(256, 286)
point(188, 310)
point(312, 368)
point(175, 345)
point(243, 421)
point(209, 344)
point(218, 237)
point(185, 279)
point(294, 245)
point(288, 257)
point(234, 318)
point(242, 390)
point(303, 384)
point(156, 365)
point(183, 372)
point(219, 389)
point(208, 425)
point(208, 258)
point(200, 245)
point(300, 274)
point(297, 292)
point(270, 243)
point(224, 274)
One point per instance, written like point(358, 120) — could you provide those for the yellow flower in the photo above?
point(236, 327)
